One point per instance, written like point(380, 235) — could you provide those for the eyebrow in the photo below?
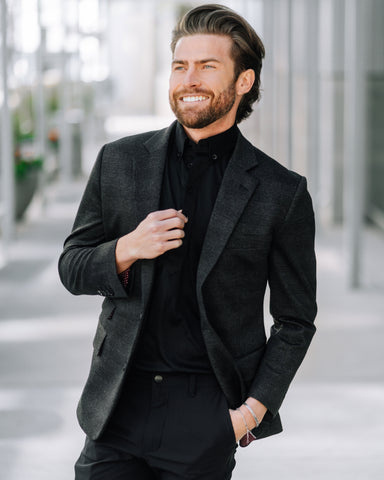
point(205, 60)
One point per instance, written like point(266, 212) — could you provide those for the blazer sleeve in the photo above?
point(292, 283)
point(87, 264)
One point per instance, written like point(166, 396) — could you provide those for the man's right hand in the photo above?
point(159, 232)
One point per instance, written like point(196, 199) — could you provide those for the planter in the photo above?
point(25, 188)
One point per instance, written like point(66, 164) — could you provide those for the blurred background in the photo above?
point(78, 73)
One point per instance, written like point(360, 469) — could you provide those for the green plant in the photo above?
point(23, 166)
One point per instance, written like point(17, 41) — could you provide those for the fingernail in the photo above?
point(181, 211)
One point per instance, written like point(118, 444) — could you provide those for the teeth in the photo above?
point(194, 99)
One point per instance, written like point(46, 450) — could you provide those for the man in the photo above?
point(181, 230)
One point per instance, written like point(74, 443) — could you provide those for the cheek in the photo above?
point(174, 86)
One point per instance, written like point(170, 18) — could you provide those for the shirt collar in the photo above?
point(215, 147)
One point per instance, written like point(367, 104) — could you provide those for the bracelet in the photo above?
point(249, 435)
point(244, 420)
point(252, 413)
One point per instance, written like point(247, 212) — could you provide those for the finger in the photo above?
point(171, 223)
point(160, 215)
point(184, 217)
point(170, 213)
point(174, 234)
point(172, 244)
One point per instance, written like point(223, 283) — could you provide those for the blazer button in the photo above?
point(158, 378)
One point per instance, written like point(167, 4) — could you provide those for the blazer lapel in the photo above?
point(236, 189)
point(149, 168)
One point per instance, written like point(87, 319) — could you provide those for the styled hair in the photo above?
point(247, 48)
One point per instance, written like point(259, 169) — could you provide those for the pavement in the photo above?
point(333, 415)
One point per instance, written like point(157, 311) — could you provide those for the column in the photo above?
point(268, 105)
point(354, 144)
point(313, 99)
point(65, 104)
point(40, 101)
point(290, 86)
point(7, 168)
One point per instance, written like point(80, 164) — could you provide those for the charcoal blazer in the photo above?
point(261, 232)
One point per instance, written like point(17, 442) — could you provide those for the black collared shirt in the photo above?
point(172, 338)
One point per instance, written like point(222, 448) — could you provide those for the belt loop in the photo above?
point(192, 385)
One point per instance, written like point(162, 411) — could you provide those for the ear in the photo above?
point(245, 81)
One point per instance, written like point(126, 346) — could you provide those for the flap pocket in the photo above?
point(99, 338)
point(108, 309)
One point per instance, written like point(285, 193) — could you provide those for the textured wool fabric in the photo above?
point(261, 232)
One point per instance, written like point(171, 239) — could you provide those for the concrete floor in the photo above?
point(333, 414)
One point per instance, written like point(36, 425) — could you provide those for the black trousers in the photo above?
point(165, 427)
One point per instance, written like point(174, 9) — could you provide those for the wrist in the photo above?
point(246, 437)
point(125, 255)
point(248, 416)
point(254, 408)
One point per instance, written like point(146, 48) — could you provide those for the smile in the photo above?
point(198, 98)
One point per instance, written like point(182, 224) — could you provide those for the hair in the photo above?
point(247, 48)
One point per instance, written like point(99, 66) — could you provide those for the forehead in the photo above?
point(197, 47)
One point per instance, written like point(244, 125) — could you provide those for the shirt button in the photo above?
point(189, 165)
point(158, 378)
point(214, 156)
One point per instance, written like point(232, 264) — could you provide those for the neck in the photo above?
point(197, 134)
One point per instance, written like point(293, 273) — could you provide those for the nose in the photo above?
point(191, 78)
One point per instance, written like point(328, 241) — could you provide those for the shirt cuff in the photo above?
point(124, 277)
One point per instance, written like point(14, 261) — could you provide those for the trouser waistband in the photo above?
point(191, 381)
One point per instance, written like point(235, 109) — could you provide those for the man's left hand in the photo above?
point(237, 417)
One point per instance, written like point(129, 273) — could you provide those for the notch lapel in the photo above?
point(148, 174)
point(235, 191)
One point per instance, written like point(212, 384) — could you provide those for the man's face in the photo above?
point(202, 89)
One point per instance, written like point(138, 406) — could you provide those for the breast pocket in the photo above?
point(240, 240)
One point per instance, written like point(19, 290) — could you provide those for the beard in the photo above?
point(195, 116)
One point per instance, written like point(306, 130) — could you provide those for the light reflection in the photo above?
point(26, 27)
point(89, 16)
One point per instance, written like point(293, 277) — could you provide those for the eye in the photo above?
point(207, 66)
point(178, 68)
